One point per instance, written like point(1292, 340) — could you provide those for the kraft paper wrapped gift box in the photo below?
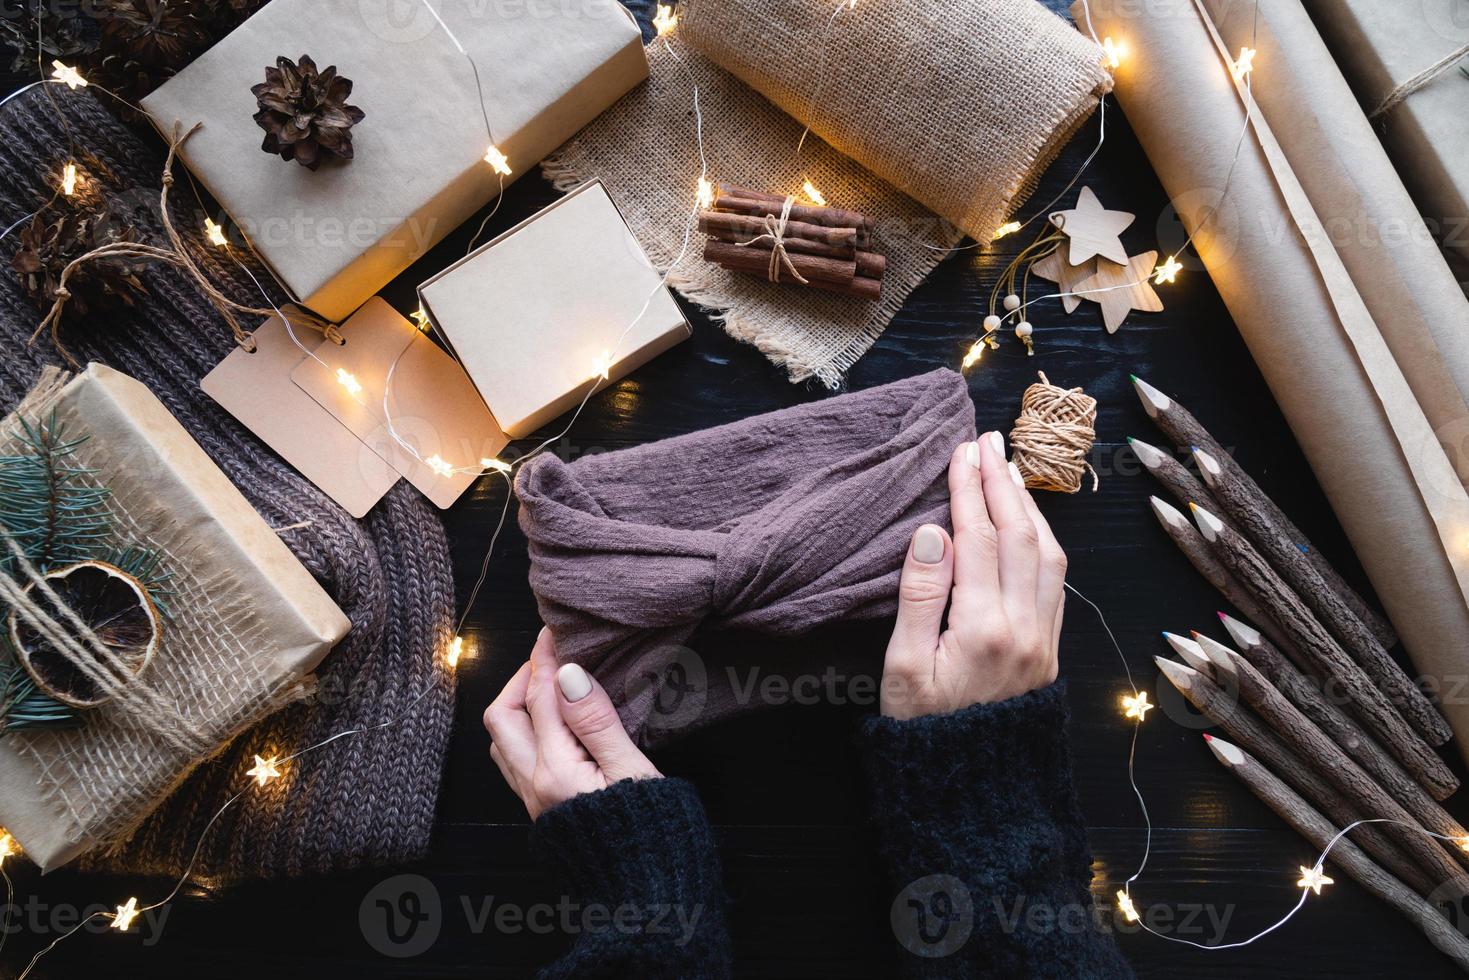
point(335, 236)
point(246, 623)
point(539, 314)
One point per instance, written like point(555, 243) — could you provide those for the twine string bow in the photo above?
point(1053, 437)
point(775, 230)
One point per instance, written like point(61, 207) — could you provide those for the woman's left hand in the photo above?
point(556, 734)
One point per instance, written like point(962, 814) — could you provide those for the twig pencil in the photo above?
point(1307, 694)
point(1201, 556)
point(1175, 477)
point(1224, 711)
point(1343, 731)
point(1312, 640)
point(1306, 581)
point(1178, 424)
point(1302, 736)
point(1345, 854)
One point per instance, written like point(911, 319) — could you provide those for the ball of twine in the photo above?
point(1053, 437)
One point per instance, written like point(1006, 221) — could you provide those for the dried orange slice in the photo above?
point(117, 608)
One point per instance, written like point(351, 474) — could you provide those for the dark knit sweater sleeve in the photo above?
point(636, 863)
point(984, 842)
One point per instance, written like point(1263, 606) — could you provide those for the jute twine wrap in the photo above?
point(961, 105)
point(1053, 437)
point(364, 800)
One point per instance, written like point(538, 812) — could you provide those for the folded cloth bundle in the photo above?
point(775, 524)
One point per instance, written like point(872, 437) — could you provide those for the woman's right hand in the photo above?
point(1002, 579)
point(555, 733)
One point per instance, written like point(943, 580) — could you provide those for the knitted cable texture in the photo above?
point(359, 801)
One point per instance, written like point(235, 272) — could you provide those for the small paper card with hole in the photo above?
point(565, 300)
point(256, 388)
point(431, 405)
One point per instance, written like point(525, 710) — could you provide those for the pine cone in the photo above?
point(144, 42)
point(32, 28)
point(48, 245)
point(305, 113)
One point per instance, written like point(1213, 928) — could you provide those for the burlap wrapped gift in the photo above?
point(928, 117)
point(246, 624)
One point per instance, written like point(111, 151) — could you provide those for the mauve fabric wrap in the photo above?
point(775, 524)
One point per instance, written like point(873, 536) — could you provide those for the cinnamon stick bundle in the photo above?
point(870, 265)
point(749, 226)
point(1179, 425)
point(1232, 493)
point(825, 215)
point(1226, 712)
point(1345, 854)
point(834, 275)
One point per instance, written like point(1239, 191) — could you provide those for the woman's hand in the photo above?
point(555, 733)
point(1001, 577)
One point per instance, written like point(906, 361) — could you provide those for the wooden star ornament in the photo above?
point(1120, 289)
point(1054, 268)
point(1093, 230)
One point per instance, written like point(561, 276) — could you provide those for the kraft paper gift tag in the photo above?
point(258, 391)
point(433, 405)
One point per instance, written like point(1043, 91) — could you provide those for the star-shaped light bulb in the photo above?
point(1168, 271)
point(497, 160)
point(602, 366)
point(122, 920)
point(1137, 705)
point(706, 194)
point(1112, 52)
point(1463, 843)
point(8, 846)
point(809, 189)
point(1125, 906)
point(456, 650)
point(1008, 228)
point(1244, 64)
point(665, 19)
point(420, 319)
point(349, 381)
point(265, 770)
point(68, 76)
point(1314, 879)
point(498, 465)
point(974, 354)
point(69, 179)
point(215, 233)
point(439, 465)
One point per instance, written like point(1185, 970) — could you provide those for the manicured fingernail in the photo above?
point(1015, 475)
point(971, 454)
point(575, 682)
point(928, 545)
point(998, 441)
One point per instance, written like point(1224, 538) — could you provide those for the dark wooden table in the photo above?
point(783, 787)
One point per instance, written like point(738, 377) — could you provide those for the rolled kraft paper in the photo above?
point(1372, 221)
point(1381, 45)
point(961, 106)
point(1347, 402)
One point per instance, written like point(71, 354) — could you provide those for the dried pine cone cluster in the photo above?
point(50, 243)
point(304, 112)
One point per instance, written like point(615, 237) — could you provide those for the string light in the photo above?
point(1463, 843)
point(1125, 906)
point(817, 198)
point(1008, 228)
point(1113, 51)
point(1168, 271)
point(973, 356)
point(439, 465)
point(664, 19)
point(602, 367)
point(456, 650)
point(349, 381)
point(1314, 879)
point(265, 770)
point(68, 76)
point(8, 846)
point(1137, 705)
point(498, 465)
point(69, 179)
point(420, 320)
point(215, 233)
point(498, 160)
point(706, 194)
point(1244, 64)
point(122, 921)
